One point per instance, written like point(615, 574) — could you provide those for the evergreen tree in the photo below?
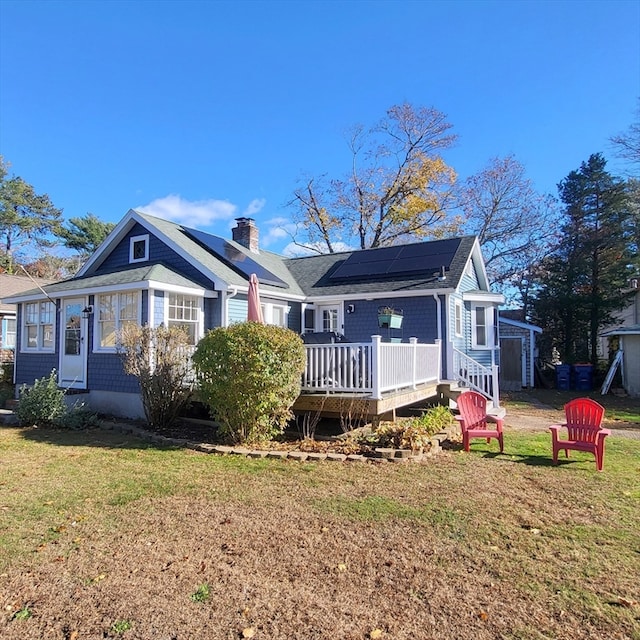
point(26, 218)
point(583, 283)
point(85, 234)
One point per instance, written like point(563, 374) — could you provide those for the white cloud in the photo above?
point(255, 206)
point(200, 213)
point(277, 229)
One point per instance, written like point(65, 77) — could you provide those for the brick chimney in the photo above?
point(246, 234)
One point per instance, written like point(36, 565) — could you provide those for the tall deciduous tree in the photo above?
point(627, 144)
point(85, 234)
point(511, 220)
point(584, 281)
point(396, 189)
point(26, 218)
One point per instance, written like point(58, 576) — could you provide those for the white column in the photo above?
point(376, 394)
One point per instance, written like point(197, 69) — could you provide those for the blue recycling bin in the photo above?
point(583, 377)
point(563, 377)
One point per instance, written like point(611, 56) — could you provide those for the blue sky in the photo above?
point(206, 111)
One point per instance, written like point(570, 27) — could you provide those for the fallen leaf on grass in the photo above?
point(342, 567)
point(249, 632)
point(625, 602)
point(74, 635)
point(483, 615)
point(375, 634)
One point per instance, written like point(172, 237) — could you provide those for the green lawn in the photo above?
point(106, 536)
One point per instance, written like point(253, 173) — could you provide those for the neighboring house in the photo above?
point(518, 351)
point(628, 317)
point(11, 285)
point(151, 271)
point(628, 342)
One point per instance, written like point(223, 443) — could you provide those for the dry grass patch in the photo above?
point(103, 536)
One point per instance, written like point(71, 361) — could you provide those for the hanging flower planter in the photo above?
point(389, 318)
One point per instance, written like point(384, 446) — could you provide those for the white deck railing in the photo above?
point(370, 367)
point(474, 375)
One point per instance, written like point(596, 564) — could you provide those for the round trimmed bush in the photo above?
point(249, 375)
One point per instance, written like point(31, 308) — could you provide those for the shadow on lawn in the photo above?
point(522, 458)
point(533, 460)
point(88, 438)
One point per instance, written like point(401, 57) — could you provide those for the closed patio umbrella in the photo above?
point(254, 313)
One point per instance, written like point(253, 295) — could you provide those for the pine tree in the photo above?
point(583, 283)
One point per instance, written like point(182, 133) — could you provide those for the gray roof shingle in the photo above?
point(313, 274)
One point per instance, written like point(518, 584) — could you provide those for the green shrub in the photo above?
point(43, 403)
point(159, 358)
point(6, 373)
point(435, 419)
point(78, 417)
point(411, 433)
point(249, 375)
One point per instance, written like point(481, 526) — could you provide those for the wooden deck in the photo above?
point(363, 406)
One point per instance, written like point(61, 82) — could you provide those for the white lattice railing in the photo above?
point(372, 368)
point(470, 373)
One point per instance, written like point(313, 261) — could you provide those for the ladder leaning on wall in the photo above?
point(617, 361)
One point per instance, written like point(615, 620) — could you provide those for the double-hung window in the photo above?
point(115, 311)
point(184, 311)
point(9, 338)
point(275, 314)
point(481, 329)
point(39, 326)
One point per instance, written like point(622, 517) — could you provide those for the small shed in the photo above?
point(629, 344)
point(518, 352)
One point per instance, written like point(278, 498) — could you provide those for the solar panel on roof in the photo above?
point(401, 260)
point(234, 258)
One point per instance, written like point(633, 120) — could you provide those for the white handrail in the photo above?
point(472, 374)
point(372, 368)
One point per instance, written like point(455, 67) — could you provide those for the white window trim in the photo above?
point(24, 344)
point(320, 309)
point(132, 242)
point(457, 315)
point(488, 328)
point(4, 338)
point(267, 313)
point(97, 347)
point(199, 324)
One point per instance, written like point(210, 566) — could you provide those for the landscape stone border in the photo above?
point(397, 456)
point(381, 455)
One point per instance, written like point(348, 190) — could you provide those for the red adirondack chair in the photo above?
point(584, 419)
point(474, 420)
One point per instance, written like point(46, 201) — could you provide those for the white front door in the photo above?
point(73, 346)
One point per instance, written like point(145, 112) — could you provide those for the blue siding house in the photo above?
point(152, 271)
